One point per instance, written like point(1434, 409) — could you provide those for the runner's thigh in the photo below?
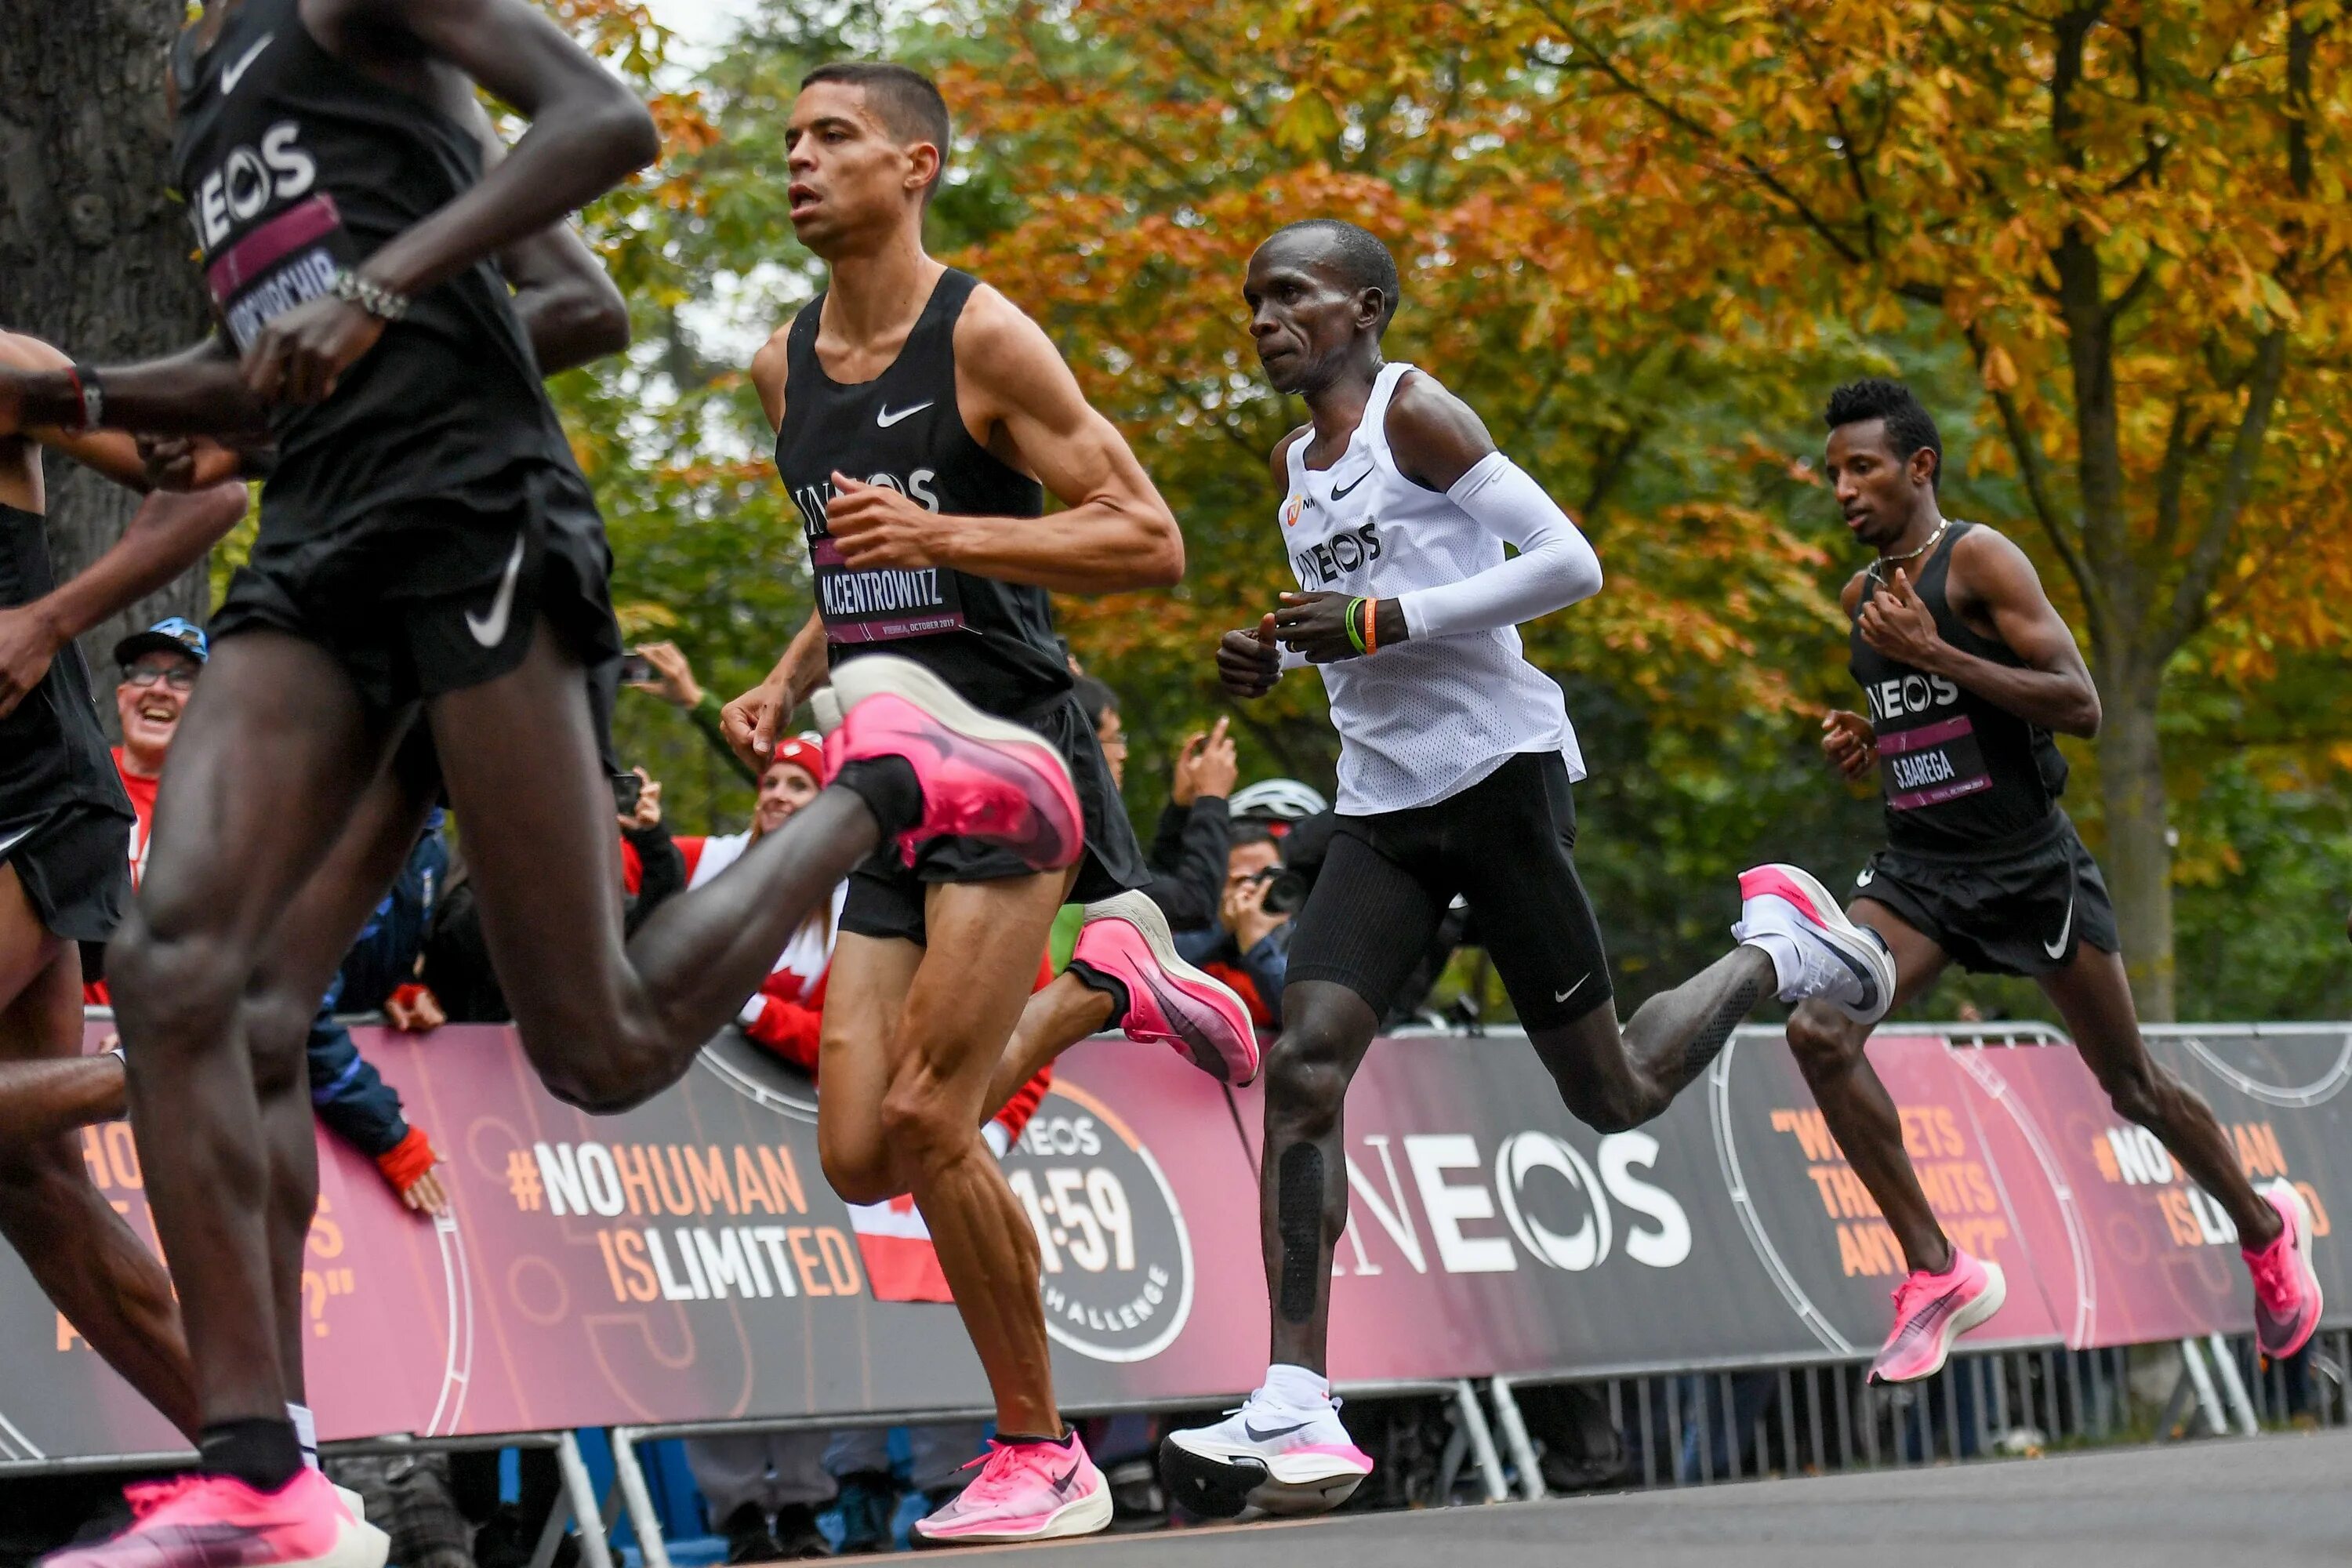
point(987, 939)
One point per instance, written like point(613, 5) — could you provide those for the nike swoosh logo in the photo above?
point(235, 72)
point(1574, 989)
point(1867, 875)
point(2058, 949)
point(1061, 1483)
point(491, 629)
point(885, 418)
point(1269, 1435)
point(1359, 479)
point(13, 840)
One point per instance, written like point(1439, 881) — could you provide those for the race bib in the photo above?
point(881, 604)
point(1932, 764)
point(287, 261)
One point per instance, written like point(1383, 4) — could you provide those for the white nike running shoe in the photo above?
point(1266, 1457)
point(1815, 949)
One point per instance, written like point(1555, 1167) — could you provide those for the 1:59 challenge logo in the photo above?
point(1117, 1275)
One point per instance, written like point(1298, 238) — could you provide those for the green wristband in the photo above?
point(1354, 631)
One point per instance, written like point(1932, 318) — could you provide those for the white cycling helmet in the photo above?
point(1278, 800)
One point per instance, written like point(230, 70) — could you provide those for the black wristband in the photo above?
point(92, 392)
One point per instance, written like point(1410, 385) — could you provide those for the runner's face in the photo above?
point(1304, 318)
point(850, 176)
point(1878, 493)
point(783, 790)
point(149, 704)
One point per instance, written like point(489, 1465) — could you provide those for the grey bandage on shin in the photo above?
point(1704, 1045)
point(1298, 1219)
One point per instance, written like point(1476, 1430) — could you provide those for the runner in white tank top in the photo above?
point(1456, 759)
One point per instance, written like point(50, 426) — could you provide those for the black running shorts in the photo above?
point(885, 894)
point(2022, 911)
point(433, 596)
point(1504, 845)
point(75, 864)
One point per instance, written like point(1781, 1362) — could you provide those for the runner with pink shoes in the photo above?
point(1968, 670)
point(1456, 761)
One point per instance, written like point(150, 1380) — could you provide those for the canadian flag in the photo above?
point(901, 1264)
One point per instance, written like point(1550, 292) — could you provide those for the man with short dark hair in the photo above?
point(1968, 670)
point(1456, 759)
point(920, 419)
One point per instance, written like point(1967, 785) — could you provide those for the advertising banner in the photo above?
point(686, 1261)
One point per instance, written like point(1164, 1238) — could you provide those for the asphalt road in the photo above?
point(2260, 1503)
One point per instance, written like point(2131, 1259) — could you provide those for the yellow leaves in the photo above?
point(1999, 370)
point(1307, 123)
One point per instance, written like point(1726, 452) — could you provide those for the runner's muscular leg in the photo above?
point(87, 1261)
point(1612, 1079)
point(2094, 997)
point(276, 748)
point(275, 1017)
point(1051, 1021)
point(1303, 1176)
point(976, 973)
point(1831, 1051)
point(608, 1026)
point(865, 990)
point(40, 1099)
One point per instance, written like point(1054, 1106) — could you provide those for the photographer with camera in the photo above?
point(1249, 947)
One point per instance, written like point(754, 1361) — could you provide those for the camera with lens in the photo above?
point(1286, 890)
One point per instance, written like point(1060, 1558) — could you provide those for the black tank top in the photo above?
point(294, 164)
point(52, 753)
point(1961, 775)
point(993, 641)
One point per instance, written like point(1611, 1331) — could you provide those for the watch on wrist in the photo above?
point(374, 298)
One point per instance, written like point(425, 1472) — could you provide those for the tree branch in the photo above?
point(2190, 605)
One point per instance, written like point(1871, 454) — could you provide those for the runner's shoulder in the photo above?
point(771, 367)
point(1281, 461)
point(1434, 436)
point(1985, 558)
point(997, 338)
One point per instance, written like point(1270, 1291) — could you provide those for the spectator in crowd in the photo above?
point(1248, 948)
point(160, 667)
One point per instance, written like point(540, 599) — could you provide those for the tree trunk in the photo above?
point(94, 258)
point(2138, 861)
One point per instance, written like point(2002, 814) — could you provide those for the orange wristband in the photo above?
point(1371, 627)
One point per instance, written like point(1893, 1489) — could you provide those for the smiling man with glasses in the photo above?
point(159, 671)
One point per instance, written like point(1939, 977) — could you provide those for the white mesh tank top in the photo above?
point(1423, 719)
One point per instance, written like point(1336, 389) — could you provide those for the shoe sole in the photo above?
point(887, 675)
point(1981, 1311)
point(1145, 916)
point(2302, 1252)
point(1225, 1487)
point(1088, 1515)
point(1848, 938)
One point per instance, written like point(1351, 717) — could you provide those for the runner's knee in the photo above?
point(856, 1168)
point(2137, 1090)
point(1306, 1079)
point(179, 988)
point(1603, 1106)
point(924, 1127)
point(1824, 1043)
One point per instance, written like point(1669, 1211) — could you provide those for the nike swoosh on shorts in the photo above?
point(491, 629)
point(2066, 927)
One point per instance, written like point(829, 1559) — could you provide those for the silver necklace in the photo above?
point(1886, 560)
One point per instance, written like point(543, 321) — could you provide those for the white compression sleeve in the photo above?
point(1555, 566)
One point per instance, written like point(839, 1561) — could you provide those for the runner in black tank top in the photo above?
point(912, 406)
point(306, 702)
point(64, 877)
point(1967, 672)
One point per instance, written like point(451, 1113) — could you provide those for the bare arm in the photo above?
point(197, 390)
point(1991, 574)
point(568, 306)
point(588, 131)
point(1117, 532)
point(749, 722)
point(170, 532)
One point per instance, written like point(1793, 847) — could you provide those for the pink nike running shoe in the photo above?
point(1025, 1491)
point(1931, 1311)
point(219, 1521)
point(2287, 1288)
point(1168, 1002)
point(982, 776)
